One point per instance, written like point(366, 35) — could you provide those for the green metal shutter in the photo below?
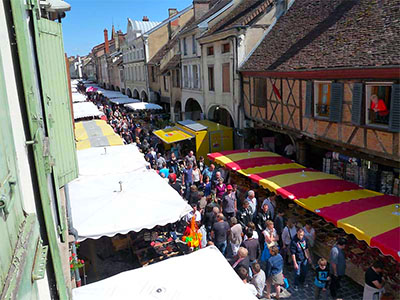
point(23, 16)
point(53, 74)
point(19, 232)
point(309, 100)
point(356, 107)
point(335, 112)
point(394, 118)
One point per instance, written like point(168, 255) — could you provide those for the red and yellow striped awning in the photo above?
point(370, 216)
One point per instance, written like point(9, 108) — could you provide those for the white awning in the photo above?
point(78, 97)
point(143, 106)
point(100, 208)
point(204, 274)
point(85, 110)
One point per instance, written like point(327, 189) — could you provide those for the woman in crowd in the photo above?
point(197, 179)
point(274, 272)
point(220, 189)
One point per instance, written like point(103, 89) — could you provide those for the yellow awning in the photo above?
point(172, 135)
point(96, 133)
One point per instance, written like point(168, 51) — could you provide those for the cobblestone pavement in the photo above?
point(349, 289)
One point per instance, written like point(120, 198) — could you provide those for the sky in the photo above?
point(84, 24)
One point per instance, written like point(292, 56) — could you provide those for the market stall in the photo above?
point(177, 278)
point(143, 106)
point(369, 216)
point(119, 196)
point(123, 100)
point(78, 97)
point(95, 133)
point(86, 110)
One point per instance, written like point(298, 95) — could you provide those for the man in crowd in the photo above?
point(258, 279)
point(160, 161)
point(279, 223)
point(209, 172)
point(172, 182)
point(271, 202)
point(192, 213)
point(288, 234)
point(374, 282)
point(190, 159)
point(219, 233)
point(251, 198)
point(243, 274)
point(229, 207)
point(164, 170)
point(187, 179)
point(245, 215)
point(300, 257)
point(252, 245)
point(338, 266)
point(235, 236)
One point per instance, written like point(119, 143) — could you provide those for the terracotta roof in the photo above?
point(172, 64)
point(215, 5)
point(243, 14)
point(318, 34)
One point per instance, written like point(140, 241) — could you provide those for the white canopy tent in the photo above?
point(115, 193)
point(85, 110)
point(204, 274)
point(78, 97)
point(143, 106)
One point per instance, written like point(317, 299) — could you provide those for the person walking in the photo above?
point(245, 215)
point(252, 246)
point(309, 234)
point(251, 198)
point(288, 234)
point(274, 272)
point(321, 279)
point(197, 178)
point(229, 207)
point(374, 282)
point(338, 266)
point(301, 258)
point(235, 235)
point(187, 179)
point(258, 279)
point(219, 233)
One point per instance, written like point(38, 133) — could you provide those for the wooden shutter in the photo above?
point(394, 118)
point(335, 112)
point(226, 84)
point(356, 108)
point(309, 99)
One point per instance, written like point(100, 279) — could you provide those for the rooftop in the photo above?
point(320, 34)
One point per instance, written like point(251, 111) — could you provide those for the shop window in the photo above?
point(226, 48)
point(211, 78)
point(378, 98)
point(210, 51)
point(322, 98)
point(260, 91)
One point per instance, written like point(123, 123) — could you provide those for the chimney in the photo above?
point(145, 19)
point(106, 46)
point(172, 12)
point(200, 8)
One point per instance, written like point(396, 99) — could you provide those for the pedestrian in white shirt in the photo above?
point(288, 233)
point(251, 198)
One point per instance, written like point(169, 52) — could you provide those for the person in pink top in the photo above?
point(220, 188)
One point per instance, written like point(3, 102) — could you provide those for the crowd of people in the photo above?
point(253, 234)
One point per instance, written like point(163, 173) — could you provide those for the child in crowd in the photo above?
point(321, 279)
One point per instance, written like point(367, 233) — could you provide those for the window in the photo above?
point(142, 52)
point(210, 51)
point(185, 76)
point(184, 47)
point(226, 80)
point(153, 75)
point(177, 78)
point(211, 78)
point(322, 98)
point(260, 87)
point(165, 83)
point(226, 48)
point(195, 77)
point(378, 98)
point(194, 48)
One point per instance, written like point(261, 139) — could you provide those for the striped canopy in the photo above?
point(95, 133)
point(370, 216)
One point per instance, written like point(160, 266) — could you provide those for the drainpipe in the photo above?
point(74, 232)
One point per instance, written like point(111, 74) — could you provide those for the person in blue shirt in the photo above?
point(209, 172)
point(207, 186)
point(321, 279)
point(164, 170)
point(273, 271)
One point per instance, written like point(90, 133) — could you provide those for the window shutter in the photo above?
point(309, 96)
point(356, 108)
point(394, 118)
point(335, 112)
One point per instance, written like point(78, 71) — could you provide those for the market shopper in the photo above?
point(279, 224)
point(288, 234)
point(173, 163)
point(271, 239)
point(321, 279)
point(160, 161)
point(274, 272)
point(216, 179)
point(241, 259)
point(243, 274)
point(229, 207)
point(301, 258)
point(197, 178)
point(271, 202)
point(251, 198)
point(209, 172)
point(219, 233)
point(190, 159)
point(310, 235)
point(164, 170)
point(245, 215)
point(192, 213)
point(338, 266)
point(252, 246)
point(374, 282)
point(206, 186)
point(235, 235)
point(258, 279)
point(187, 179)
point(220, 189)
